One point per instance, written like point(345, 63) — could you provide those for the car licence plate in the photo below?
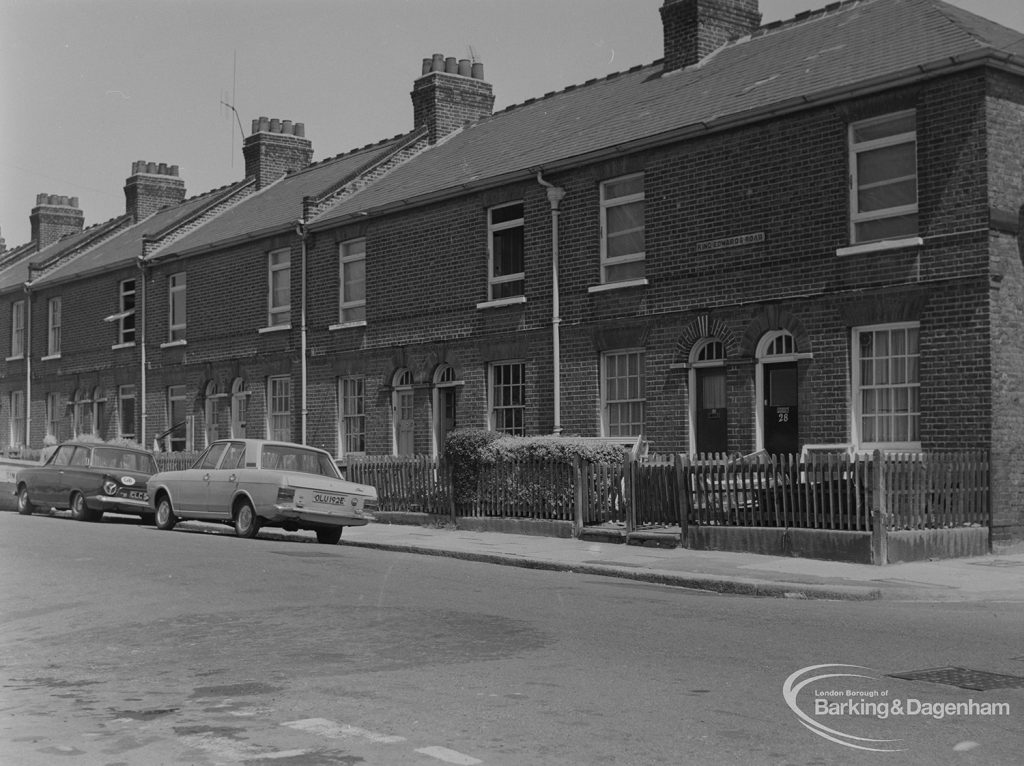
point(137, 494)
point(341, 502)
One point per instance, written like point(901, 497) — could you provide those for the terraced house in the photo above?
point(805, 233)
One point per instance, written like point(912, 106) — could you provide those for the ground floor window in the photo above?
point(176, 438)
point(53, 416)
point(126, 412)
point(886, 386)
point(17, 418)
point(352, 423)
point(508, 398)
point(622, 393)
point(279, 408)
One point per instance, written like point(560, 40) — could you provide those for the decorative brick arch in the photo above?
point(705, 327)
point(774, 318)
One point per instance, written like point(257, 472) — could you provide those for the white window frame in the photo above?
point(641, 399)
point(53, 322)
point(857, 388)
point(492, 229)
point(53, 415)
point(279, 408)
point(856, 148)
point(493, 405)
point(18, 419)
point(351, 414)
point(606, 205)
point(125, 394)
point(17, 330)
point(351, 312)
point(177, 326)
point(177, 393)
point(126, 291)
point(279, 315)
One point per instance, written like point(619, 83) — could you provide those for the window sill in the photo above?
point(15, 358)
point(618, 285)
point(122, 345)
point(880, 246)
point(514, 301)
point(346, 325)
point(173, 343)
point(275, 328)
point(49, 357)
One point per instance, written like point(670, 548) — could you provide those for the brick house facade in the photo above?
point(753, 252)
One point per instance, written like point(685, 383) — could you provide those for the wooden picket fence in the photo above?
point(410, 484)
point(818, 491)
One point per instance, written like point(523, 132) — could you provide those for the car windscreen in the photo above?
point(123, 460)
point(278, 457)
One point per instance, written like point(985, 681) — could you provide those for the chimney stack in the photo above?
point(450, 94)
point(3, 244)
point(150, 187)
point(694, 28)
point(275, 147)
point(54, 217)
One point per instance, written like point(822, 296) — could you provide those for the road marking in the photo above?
point(340, 730)
point(449, 756)
point(222, 747)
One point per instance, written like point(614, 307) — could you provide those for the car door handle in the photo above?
point(206, 477)
point(232, 477)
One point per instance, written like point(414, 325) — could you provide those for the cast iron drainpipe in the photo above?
point(141, 329)
point(555, 195)
point(300, 229)
point(27, 350)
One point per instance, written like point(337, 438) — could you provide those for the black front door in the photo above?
point(712, 424)
point(780, 409)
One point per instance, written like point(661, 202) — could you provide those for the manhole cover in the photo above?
point(965, 678)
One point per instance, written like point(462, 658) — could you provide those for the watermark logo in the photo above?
point(798, 680)
point(863, 702)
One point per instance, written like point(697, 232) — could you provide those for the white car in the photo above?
point(252, 483)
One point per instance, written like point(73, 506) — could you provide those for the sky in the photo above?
point(89, 86)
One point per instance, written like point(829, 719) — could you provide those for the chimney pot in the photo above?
point(275, 125)
point(477, 70)
point(300, 129)
point(437, 63)
point(465, 68)
point(287, 128)
point(451, 65)
point(426, 66)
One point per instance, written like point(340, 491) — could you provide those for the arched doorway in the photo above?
point(239, 406)
point(446, 390)
point(402, 403)
point(778, 417)
point(709, 406)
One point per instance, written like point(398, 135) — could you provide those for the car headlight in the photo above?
point(110, 487)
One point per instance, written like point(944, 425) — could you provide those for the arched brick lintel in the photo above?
point(705, 327)
point(774, 318)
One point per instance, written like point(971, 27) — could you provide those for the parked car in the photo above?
point(90, 478)
point(252, 483)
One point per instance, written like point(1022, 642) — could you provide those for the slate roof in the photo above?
point(279, 205)
point(125, 247)
point(817, 56)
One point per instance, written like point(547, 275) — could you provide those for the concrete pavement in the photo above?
point(981, 579)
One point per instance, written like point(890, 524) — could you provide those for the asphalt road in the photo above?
point(123, 645)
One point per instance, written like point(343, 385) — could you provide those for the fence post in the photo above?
point(629, 491)
point(879, 512)
point(681, 463)
point(577, 477)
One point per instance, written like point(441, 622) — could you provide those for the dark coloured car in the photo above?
point(89, 479)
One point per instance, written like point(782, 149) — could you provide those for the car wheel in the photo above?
point(165, 518)
point(329, 536)
point(247, 523)
point(25, 506)
point(78, 510)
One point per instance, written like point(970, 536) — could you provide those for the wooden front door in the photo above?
point(404, 431)
point(781, 421)
point(712, 414)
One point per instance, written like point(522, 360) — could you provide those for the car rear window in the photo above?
point(277, 457)
point(123, 460)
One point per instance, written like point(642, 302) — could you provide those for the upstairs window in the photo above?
point(126, 321)
point(622, 227)
point(353, 281)
point(505, 234)
point(883, 167)
point(17, 329)
point(280, 297)
point(53, 327)
point(176, 285)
